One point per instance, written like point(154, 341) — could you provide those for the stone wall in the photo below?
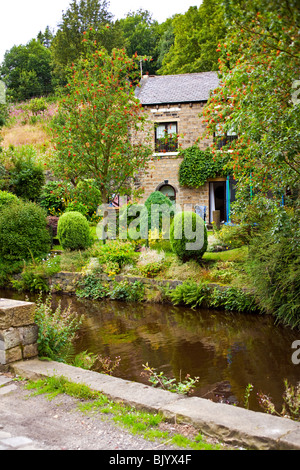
point(18, 332)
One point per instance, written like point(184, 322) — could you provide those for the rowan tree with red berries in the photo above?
point(97, 120)
point(257, 98)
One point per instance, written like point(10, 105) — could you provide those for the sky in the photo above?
point(21, 20)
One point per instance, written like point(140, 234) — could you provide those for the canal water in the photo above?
point(227, 351)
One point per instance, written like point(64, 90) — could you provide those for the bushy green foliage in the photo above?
point(4, 176)
point(116, 252)
point(73, 231)
point(27, 71)
point(198, 165)
point(130, 292)
point(7, 198)
point(37, 105)
point(93, 288)
point(189, 293)
point(88, 194)
point(196, 294)
point(27, 178)
point(30, 281)
point(187, 228)
point(53, 196)
point(3, 114)
point(57, 329)
point(23, 232)
point(90, 287)
point(274, 269)
point(197, 33)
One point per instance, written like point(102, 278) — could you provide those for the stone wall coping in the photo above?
point(232, 425)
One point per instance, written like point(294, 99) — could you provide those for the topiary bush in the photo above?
point(73, 231)
point(7, 198)
point(159, 207)
point(23, 232)
point(183, 232)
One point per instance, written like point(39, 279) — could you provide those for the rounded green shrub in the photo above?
point(23, 232)
point(7, 198)
point(188, 236)
point(73, 231)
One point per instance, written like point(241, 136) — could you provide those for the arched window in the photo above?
point(168, 190)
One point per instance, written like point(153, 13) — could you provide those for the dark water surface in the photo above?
point(227, 351)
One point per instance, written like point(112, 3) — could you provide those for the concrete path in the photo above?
point(229, 424)
point(7, 440)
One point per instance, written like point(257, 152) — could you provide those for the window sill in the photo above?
point(165, 154)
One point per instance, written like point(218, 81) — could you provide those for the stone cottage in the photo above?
point(174, 106)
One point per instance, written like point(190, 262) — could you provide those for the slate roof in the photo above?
point(183, 88)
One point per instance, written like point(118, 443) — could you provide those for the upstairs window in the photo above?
point(166, 139)
point(222, 139)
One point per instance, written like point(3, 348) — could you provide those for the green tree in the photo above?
point(98, 119)
point(67, 46)
point(197, 34)
point(46, 37)
point(166, 40)
point(141, 34)
point(26, 71)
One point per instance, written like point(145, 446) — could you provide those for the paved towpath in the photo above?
point(68, 429)
point(33, 422)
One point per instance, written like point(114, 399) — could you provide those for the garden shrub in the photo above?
point(27, 179)
point(159, 209)
point(73, 231)
point(233, 299)
point(53, 196)
point(4, 114)
point(59, 196)
point(89, 287)
point(31, 281)
point(182, 232)
point(7, 198)
point(233, 236)
point(116, 252)
point(23, 232)
point(4, 176)
point(77, 206)
point(274, 268)
point(129, 292)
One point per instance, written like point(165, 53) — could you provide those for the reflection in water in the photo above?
point(227, 351)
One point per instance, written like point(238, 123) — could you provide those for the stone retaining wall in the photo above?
point(18, 332)
point(66, 282)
